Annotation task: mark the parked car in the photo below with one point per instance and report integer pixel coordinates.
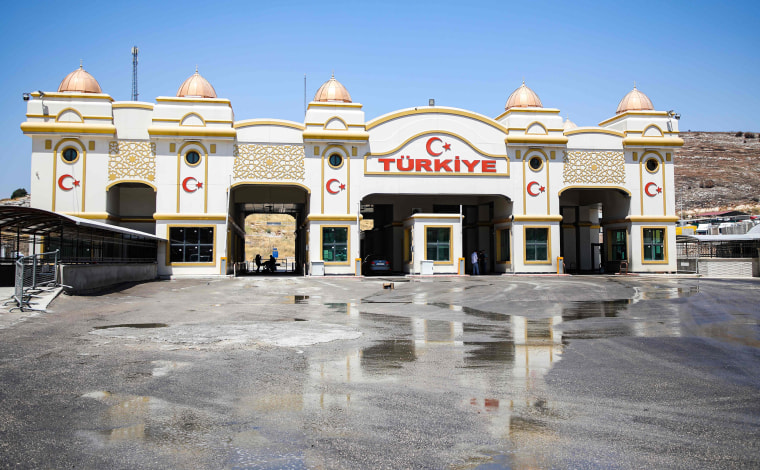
(375, 264)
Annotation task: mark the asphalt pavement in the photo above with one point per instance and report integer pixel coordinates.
(479, 372)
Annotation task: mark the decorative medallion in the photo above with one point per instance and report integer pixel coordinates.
(594, 168)
(133, 160)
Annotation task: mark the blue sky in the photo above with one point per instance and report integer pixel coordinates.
(698, 58)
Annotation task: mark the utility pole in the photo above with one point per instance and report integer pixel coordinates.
(134, 73)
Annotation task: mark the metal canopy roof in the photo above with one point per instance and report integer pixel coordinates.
(31, 221)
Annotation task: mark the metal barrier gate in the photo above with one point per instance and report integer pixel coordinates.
(33, 274)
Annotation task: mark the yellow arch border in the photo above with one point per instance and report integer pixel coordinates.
(155, 188)
(452, 111)
(582, 186)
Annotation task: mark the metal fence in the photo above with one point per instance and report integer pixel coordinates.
(33, 274)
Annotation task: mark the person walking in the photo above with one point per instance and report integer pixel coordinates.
(258, 262)
(474, 260)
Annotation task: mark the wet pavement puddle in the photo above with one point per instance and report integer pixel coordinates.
(132, 325)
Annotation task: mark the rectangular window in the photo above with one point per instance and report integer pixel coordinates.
(536, 244)
(191, 244)
(438, 240)
(654, 244)
(335, 244)
(618, 245)
(503, 254)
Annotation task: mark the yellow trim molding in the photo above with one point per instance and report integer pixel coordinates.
(268, 122)
(181, 99)
(317, 104)
(527, 110)
(581, 186)
(269, 183)
(191, 131)
(332, 217)
(111, 185)
(535, 139)
(537, 218)
(89, 215)
(132, 105)
(653, 141)
(593, 130)
(89, 96)
(190, 216)
(335, 135)
(652, 218)
(68, 128)
(435, 110)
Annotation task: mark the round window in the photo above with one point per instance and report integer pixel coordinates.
(335, 160)
(70, 155)
(192, 157)
(535, 163)
(652, 165)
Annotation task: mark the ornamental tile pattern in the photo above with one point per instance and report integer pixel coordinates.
(269, 162)
(594, 168)
(133, 160)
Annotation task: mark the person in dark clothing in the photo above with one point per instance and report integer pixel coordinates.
(258, 262)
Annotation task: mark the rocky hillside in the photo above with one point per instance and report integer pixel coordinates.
(716, 171)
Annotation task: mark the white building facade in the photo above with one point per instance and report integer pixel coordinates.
(534, 193)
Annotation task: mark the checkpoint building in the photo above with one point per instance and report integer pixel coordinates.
(537, 194)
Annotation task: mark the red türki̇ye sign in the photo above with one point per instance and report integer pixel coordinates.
(436, 154)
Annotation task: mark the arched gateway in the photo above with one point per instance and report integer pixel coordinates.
(526, 188)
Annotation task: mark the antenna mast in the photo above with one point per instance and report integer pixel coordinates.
(304, 93)
(134, 73)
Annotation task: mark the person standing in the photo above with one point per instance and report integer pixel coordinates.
(258, 262)
(474, 260)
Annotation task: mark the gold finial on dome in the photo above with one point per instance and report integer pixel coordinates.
(79, 81)
(634, 101)
(332, 91)
(196, 86)
(523, 97)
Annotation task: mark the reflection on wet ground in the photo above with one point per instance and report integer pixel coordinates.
(489, 366)
(132, 325)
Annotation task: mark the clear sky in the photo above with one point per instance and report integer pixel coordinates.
(696, 57)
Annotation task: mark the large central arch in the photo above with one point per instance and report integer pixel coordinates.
(267, 198)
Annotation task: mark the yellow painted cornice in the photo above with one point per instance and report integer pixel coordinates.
(593, 130)
(67, 128)
(527, 110)
(538, 218)
(189, 216)
(182, 99)
(634, 114)
(536, 139)
(335, 135)
(332, 217)
(318, 104)
(434, 110)
(191, 131)
(132, 105)
(79, 96)
(652, 218)
(268, 122)
(653, 141)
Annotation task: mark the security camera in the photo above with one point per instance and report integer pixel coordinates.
(26, 96)
(677, 116)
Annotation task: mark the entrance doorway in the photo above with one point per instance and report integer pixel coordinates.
(483, 221)
(268, 220)
(594, 238)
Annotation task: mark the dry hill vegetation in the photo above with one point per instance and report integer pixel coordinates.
(717, 171)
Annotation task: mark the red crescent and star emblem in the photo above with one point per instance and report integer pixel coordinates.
(63, 179)
(331, 184)
(531, 191)
(657, 189)
(429, 146)
(191, 185)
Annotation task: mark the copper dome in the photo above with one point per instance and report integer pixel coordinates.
(523, 97)
(332, 91)
(634, 101)
(196, 86)
(79, 81)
